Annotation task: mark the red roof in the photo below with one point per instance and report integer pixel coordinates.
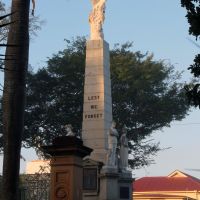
(146, 184)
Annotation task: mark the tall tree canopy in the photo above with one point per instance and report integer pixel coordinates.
(193, 16)
(147, 95)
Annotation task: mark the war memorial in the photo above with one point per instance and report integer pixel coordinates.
(99, 132)
(92, 168)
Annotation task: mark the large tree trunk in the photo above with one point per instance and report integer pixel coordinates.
(14, 97)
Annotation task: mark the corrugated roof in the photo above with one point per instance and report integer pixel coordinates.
(186, 183)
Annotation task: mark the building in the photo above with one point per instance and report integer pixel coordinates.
(175, 186)
(38, 166)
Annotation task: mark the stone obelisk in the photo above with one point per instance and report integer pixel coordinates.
(97, 109)
(111, 183)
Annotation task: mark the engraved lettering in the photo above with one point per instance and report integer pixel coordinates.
(94, 106)
(92, 116)
(93, 98)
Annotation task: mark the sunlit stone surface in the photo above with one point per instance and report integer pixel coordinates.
(97, 111)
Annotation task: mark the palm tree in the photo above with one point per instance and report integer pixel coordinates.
(14, 95)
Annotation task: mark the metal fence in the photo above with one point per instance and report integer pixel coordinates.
(35, 187)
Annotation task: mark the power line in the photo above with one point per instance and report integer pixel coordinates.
(186, 124)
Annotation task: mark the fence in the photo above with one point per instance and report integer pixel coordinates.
(35, 187)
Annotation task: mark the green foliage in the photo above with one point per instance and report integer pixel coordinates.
(146, 97)
(55, 95)
(195, 68)
(193, 16)
(150, 92)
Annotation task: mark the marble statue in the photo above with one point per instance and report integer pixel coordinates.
(68, 129)
(96, 19)
(33, 9)
(123, 150)
(112, 146)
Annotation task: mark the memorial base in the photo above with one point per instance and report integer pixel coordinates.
(66, 167)
(109, 184)
(125, 185)
(114, 185)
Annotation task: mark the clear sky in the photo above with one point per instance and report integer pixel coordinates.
(157, 26)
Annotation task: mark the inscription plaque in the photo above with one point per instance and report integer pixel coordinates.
(90, 179)
(124, 192)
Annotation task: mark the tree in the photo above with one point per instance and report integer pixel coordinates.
(14, 96)
(193, 16)
(152, 97)
(4, 24)
(35, 23)
(3, 30)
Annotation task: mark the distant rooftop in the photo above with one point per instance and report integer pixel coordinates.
(38, 166)
(176, 181)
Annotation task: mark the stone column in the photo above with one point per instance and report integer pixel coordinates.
(97, 108)
(66, 167)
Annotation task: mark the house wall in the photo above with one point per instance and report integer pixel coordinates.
(138, 198)
(190, 194)
(37, 166)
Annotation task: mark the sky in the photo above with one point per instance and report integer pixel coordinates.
(158, 27)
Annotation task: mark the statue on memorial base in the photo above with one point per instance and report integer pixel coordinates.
(68, 129)
(96, 19)
(124, 150)
(112, 146)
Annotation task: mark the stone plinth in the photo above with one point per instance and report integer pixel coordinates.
(109, 189)
(66, 167)
(97, 108)
(91, 179)
(125, 186)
